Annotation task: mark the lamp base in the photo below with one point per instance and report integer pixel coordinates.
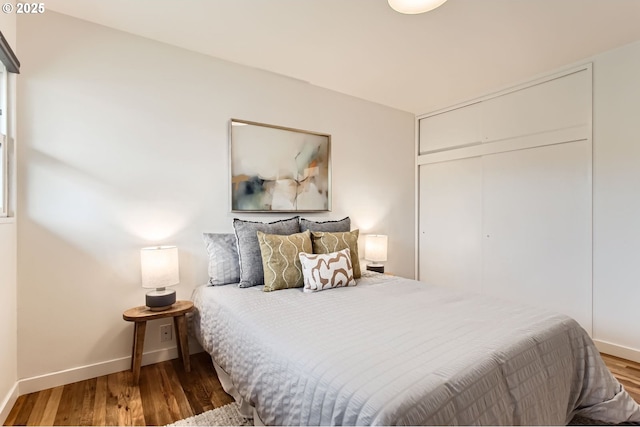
(160, 299)
(378, 268)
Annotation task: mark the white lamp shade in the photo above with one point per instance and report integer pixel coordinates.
(412, 7)
(159, 266)
(375, 247)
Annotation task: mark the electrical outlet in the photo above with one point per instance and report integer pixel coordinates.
(166, 332)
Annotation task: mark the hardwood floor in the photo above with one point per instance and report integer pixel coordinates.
(167, 394)
(628, 373)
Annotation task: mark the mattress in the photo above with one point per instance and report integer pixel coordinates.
(394, 351)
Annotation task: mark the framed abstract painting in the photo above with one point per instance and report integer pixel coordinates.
(279, 169)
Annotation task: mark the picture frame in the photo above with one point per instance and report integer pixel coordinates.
(278, 169)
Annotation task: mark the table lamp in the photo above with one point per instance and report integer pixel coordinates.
(159, 267)
(375, 250)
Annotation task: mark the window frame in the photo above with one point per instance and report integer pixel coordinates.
(4, 152)
(9, 63)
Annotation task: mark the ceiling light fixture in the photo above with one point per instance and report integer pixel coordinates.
(412, 7)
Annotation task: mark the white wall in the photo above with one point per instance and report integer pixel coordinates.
(124, 144)
(616, 201)
(8, 249)
(8, 318)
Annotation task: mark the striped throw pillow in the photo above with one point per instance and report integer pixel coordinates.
(224, 265)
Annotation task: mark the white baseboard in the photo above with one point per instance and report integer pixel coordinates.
(618, 350)
(7, 403)
(81, 373)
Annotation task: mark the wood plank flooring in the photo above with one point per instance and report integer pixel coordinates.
(167, 394)
(628, 373)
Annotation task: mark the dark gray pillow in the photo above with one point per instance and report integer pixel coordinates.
(224, 264)
(339, 226)
(251, 272)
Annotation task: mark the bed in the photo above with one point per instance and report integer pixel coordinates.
(394, 351)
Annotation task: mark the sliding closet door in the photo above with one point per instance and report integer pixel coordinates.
(537, 227)
(505, 195)
(450, 239)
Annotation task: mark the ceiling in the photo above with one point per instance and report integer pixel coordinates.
(416, 63)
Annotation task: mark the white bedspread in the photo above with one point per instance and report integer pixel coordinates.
(394, 351)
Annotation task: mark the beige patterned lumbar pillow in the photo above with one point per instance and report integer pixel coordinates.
(280, 261)
(325, 243)
(326, 271)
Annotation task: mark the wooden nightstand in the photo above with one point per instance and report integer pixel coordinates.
(140, 316)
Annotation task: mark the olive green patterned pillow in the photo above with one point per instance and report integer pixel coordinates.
(326, 243)
(280, 261)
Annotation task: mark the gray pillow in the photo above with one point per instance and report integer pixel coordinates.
(251, 272)
(339, 226)
(224, 264)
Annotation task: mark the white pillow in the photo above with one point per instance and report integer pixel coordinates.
(326, 271)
